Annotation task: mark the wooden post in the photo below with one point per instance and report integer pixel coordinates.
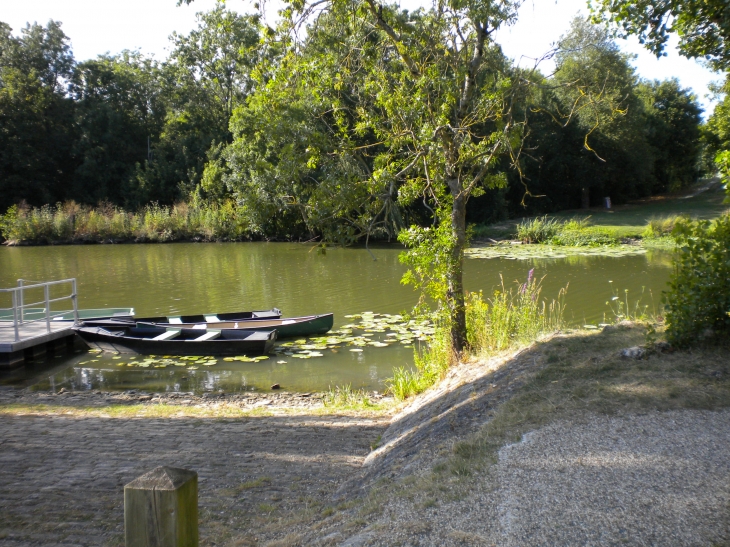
(161, 509)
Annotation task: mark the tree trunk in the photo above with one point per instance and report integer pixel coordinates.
(455, 283)
(585, 197)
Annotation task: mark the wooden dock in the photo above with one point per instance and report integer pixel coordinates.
(25, 333)
(35, 340)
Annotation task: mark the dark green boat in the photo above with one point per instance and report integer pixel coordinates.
(286, 327)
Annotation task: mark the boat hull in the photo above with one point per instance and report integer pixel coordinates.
(260, 315)
(310, 325)
(286, 327)
(141, 340)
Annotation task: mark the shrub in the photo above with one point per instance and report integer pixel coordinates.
(698, 299)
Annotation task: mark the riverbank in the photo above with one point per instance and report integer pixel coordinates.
(505, 451)
(642, 223)
(139, 403)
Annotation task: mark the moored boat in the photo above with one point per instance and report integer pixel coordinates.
(286, 327)
(180, 320)
(273, 313)
(154, 340)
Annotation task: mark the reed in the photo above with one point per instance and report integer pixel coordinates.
(72, 223)
(661, 226)
(575, 232)
(538, 230)
(510, 318)
(431, 363)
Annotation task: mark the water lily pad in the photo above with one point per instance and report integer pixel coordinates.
(192, 368)
(281, 362)
(116, 357)
(356, 350)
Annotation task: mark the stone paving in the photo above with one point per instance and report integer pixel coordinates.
(62, 477)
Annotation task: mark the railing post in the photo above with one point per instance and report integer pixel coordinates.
(46, 294)
(161, 509)
(20, 285)
(74, 300)
(15, 316)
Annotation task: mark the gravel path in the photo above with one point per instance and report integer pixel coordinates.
(62, 477)
(657, 479)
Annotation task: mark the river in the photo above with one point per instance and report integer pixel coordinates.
(182, 278)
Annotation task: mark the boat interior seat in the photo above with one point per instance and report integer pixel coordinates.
(211, 318)
(210, 335)
(168, 335)
(200, 326)
(175, 320)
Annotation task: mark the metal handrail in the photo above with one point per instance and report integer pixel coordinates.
(19, 306)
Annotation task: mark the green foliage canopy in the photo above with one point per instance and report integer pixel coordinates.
(703, 26)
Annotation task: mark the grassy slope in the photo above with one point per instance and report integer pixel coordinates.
(631, 219)
(572, 376)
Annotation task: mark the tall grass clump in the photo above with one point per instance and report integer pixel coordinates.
(346, 398)
(511, 317)
(658, 227)
(431, 363)
(538, 230)
(575, 232)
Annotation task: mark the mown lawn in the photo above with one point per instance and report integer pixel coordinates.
(630, 220)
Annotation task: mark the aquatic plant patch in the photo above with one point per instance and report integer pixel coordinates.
(367, 330)
(527, 252)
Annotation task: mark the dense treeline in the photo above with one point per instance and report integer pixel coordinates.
(233, 119)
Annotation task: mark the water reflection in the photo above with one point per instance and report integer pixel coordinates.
(192, 278)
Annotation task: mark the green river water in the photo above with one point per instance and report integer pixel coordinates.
(186, 278)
